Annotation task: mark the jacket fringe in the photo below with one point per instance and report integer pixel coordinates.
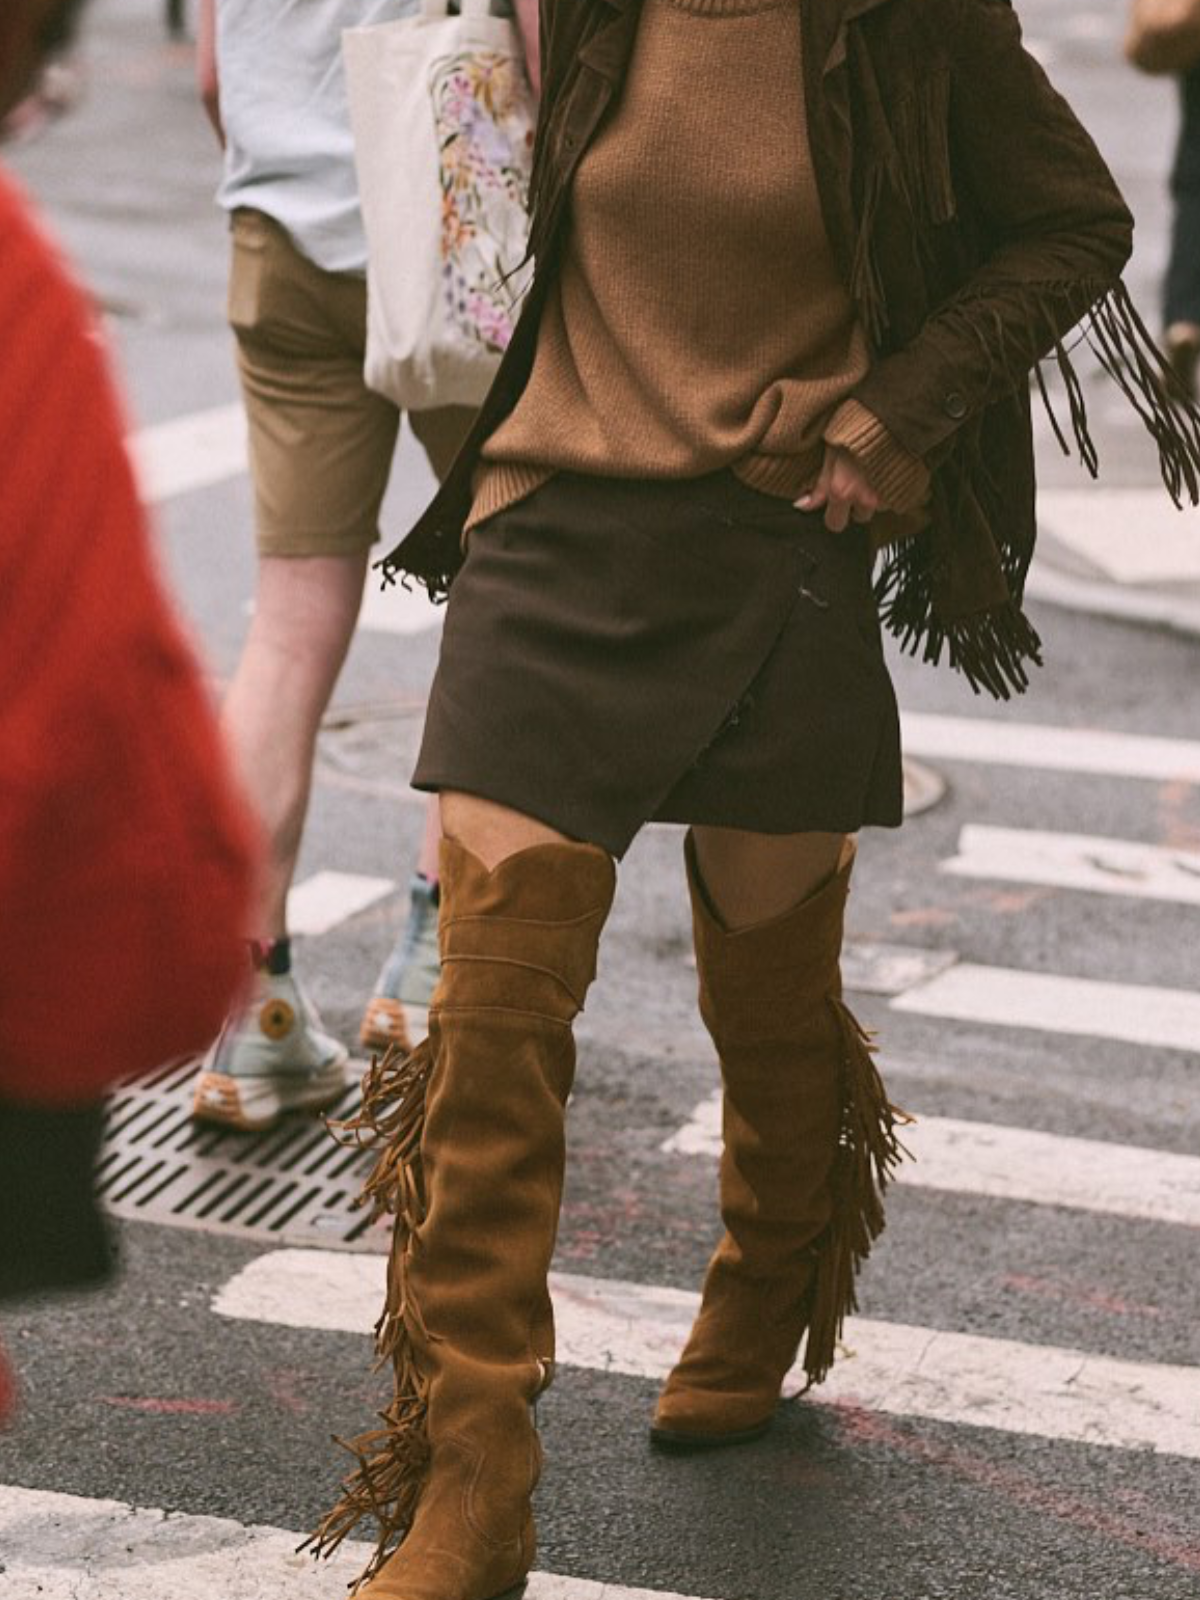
(993, 649)
(1118, 337)
(391, 1461)
(866, 281)
(922, 139)
(868, 1154)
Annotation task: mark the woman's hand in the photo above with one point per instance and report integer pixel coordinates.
(843, 489)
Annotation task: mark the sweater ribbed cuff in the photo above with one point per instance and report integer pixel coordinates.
(899, 479)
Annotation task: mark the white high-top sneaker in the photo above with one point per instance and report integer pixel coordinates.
(398, 1011)
(270, 1057)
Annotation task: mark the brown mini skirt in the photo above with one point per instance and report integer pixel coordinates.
(620, 652)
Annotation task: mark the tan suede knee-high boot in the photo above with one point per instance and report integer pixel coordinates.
(809, 1143)
(472, 1168)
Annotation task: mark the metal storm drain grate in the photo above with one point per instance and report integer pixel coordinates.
(293, 1184)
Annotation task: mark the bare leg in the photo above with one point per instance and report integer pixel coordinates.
(753, 877)
(427, 860)
(489, 831)
(440, 433)
(306, 608)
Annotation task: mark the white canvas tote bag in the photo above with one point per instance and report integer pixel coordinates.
(442, 115)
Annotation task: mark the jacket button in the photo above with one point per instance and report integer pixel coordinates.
(954, 405)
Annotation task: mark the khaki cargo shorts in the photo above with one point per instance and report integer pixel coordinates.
(321, 442)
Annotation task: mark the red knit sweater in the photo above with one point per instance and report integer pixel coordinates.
(124, 855)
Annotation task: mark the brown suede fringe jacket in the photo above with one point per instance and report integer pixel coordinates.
(976, 224)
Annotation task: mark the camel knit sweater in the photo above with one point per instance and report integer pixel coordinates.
(699, 320)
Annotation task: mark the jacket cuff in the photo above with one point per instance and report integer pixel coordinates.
(899, 479)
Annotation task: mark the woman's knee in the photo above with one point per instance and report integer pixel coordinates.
(752, 877)
(490, 831)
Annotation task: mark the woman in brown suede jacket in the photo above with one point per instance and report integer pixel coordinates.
(796, 260)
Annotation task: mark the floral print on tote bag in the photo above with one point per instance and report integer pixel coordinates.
(483, 118)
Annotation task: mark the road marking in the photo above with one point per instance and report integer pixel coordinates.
(328, 899)
(638, 1331)
(62, 1547)
(209, 447)
(397, 610)
(1028, 744)
(1077, 861)
(889, 969)
(191, 452)
(1045, 1169)
(1133, 1013)
(1133, 536)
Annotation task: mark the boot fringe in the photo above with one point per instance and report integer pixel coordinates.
(392, 1461)
(868, 1153)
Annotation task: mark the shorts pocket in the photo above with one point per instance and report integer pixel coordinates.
(249, 233)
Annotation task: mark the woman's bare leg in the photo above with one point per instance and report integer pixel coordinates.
(753, 877)
(489, 831)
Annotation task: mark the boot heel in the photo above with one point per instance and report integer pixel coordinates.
(687, 1444)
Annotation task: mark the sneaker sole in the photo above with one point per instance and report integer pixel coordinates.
(389, 1022)
(253, 1105)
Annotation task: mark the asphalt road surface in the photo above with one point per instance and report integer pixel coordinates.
(1017, 1412)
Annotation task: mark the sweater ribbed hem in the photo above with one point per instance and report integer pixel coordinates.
(500, 484)
(899, 479)
(786, 476)
(728, 8)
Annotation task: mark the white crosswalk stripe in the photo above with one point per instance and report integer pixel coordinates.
(1039, 746)
(327, 899)
(637, 1331)
(205, 448)
(396, 609)
(63, 1547)
(190, 452)
(1077, 861)
(1139, 1014)
(983, 1158)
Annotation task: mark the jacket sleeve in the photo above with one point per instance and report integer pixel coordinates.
(1060, 234)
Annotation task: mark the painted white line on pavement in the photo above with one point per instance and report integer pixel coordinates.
(1077, 861)
(62, 1547)
(871, 968)
(397, 609)
(1045, 1169)
(1050, 749)
(192, 452)
(1133, 1013)
(328, 899)
(1134, 536)
(638, 1331)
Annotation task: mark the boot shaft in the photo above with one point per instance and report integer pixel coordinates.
(474, 1179)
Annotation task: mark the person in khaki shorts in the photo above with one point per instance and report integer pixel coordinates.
(321, 448)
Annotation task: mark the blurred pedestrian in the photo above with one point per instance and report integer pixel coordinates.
(321, 449)
(1181, 300)
(1164, 38)
(795, 261)
(124, 855)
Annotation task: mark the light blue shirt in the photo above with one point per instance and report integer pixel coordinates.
(289, 150)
